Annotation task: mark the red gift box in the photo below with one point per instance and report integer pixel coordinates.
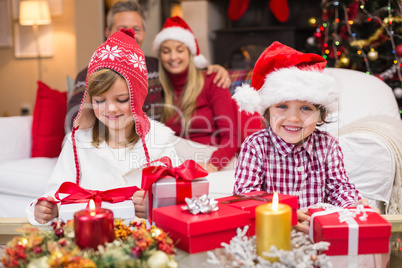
(355, 236)
(201, 232)
(251, 200)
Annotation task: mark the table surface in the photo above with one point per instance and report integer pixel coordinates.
(8, 230)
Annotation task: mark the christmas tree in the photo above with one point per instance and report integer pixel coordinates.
(364, 35)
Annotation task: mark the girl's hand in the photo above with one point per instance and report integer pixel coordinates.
(209, 167)
(140, 204)
(45, 211)
(302, 218)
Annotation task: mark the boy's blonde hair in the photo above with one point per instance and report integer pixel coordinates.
(101, 82)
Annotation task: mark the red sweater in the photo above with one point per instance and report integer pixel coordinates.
(214, 120)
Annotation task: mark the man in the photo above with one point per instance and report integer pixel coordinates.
(128, 14)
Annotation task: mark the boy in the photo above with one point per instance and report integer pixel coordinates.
(291, 156)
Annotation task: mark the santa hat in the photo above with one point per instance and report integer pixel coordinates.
(121, 53)
(176, 28)
(284, 74)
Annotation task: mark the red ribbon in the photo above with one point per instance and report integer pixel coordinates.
(76, 194)
(183, 174)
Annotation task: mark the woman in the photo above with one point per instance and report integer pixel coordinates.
(112, 137)
(194, 107)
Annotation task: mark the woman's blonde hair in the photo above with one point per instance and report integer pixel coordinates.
(188, 98)
(99, 83)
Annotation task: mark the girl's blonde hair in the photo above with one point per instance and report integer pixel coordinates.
(99, 83)
(188, 98)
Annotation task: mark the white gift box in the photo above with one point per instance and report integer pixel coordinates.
(123, 210)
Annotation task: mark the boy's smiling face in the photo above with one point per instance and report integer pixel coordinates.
(293, 121)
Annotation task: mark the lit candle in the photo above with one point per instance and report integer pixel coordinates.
(93, 226)
(273, 224)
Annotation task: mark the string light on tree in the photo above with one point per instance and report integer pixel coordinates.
(361, 35)
(398, 93)
(372, 55)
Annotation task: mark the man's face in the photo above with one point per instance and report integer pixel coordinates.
(127, 20)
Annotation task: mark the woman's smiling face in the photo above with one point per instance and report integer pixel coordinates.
(175, 56)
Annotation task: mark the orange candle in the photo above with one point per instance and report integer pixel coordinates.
(93, 226)
(273, 222)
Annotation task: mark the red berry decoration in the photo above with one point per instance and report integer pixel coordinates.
(136, 252)
(398, 50)
(59, 232)
(37, 250)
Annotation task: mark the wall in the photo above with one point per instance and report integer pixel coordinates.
(18, 76)
(89, 30)
(203, 17)
(77, 33)
(154, 25)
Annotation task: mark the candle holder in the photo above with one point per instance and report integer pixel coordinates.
(93, 227)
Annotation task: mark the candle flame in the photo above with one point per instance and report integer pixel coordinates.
(92, 207)
(91, 204)
(275, 202)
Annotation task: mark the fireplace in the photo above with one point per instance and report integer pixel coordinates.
(239, 44)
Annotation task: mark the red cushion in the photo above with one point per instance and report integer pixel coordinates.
(48, 122)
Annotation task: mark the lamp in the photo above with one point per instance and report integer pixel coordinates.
(35, 13)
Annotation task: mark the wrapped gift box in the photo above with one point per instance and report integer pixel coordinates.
(123, 210)
(164, 191)
(372, 235)
(251, 200)
(201, 232)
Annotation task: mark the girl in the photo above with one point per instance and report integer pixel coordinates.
(194, 107)
(111, 134)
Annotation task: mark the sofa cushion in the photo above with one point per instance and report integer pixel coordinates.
(26, 177)
(48, 121)
(239, 77)
(361, 96)
(15, 141)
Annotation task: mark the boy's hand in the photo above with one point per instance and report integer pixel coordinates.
(365, 203)
(139, 204)
(302, 219)
(45, 210)
(222, 75)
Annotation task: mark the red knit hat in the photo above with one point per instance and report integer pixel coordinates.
(176, 28)
(284, 74)
(121, 53)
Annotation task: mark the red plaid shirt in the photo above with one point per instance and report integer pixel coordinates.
(313, 171)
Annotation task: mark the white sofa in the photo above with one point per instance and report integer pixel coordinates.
(23, 178)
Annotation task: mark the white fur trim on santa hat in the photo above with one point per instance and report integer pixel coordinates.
(248, 99)
(184, 36)
(178, 34)
(289, 84)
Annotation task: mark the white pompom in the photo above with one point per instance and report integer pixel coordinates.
(248, 99)
(200, 61)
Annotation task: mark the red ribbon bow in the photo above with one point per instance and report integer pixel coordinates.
(76, 194)
(184, 174)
